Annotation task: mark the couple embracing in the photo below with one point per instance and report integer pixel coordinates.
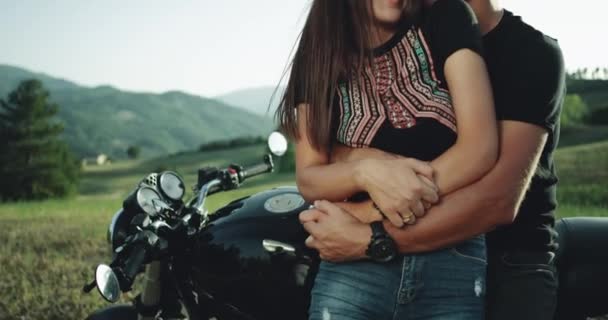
(424, 134)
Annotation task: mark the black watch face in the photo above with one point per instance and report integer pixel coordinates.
(383, 250)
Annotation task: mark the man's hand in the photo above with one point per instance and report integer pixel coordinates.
(336, 234)
(494, 200)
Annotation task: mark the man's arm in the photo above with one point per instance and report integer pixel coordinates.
(475, 209)
(495, 199)
(489, 202)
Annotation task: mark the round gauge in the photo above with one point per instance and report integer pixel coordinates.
(146, 198)
(284, 203)
(171, 185)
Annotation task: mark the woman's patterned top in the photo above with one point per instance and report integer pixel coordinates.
(401, 103)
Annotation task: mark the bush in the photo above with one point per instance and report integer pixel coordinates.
(574, 111)
(133, 152)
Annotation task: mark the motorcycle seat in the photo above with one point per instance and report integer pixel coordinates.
(582, 264)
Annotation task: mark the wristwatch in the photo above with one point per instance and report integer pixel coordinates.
(381, 247)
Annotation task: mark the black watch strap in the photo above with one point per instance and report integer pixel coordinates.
(378, 229)
(381, 247)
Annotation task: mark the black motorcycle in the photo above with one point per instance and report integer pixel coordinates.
(248, 260)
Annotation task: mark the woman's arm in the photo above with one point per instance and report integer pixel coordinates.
(476, 148)
(315, 176)
(318, 179)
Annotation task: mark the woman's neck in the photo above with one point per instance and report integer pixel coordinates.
(381, 33)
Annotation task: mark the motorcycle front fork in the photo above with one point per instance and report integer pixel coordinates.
(155, 297)
(150, 295)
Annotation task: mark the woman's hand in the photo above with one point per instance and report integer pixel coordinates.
(362, 211)
(396, 187)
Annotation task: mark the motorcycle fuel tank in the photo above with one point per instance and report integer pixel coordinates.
(252, 256)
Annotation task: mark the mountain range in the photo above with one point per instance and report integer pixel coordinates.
(107, 120)
(259, 100)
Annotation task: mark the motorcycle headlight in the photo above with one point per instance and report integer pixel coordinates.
(171, 185)
(117, 231)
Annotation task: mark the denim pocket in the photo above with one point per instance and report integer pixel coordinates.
(473, 249)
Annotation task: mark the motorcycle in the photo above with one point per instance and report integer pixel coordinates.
(248, 260)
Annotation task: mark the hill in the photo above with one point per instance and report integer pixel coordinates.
(254, 100)
(108, 120)
(11, 76)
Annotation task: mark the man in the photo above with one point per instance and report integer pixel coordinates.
(527, 74)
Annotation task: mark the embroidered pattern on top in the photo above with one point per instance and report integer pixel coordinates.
(401, 87)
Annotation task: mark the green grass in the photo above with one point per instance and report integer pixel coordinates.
(50, 248)
(583, 174)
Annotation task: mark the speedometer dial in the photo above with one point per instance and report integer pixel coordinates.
(171, 185)
(145, 199)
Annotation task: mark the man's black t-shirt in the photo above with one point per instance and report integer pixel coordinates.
(527, 73)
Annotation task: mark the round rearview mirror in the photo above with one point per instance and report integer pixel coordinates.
(277, 143)
(107, 283)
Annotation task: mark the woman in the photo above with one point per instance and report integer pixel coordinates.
(408, 80)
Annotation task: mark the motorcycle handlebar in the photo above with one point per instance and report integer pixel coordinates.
(267, 166)
(133, 265)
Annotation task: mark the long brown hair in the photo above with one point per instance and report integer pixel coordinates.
(335, 39)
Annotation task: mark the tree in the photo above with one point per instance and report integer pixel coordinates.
(34, 162)
(133, 152)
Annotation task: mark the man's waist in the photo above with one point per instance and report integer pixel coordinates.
(535, 237)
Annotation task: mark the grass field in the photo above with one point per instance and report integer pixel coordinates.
(50, 248)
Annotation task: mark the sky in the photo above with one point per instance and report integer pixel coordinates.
(210, 47)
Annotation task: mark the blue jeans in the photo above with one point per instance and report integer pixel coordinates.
(443, 284)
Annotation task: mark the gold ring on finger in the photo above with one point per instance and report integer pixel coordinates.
(408, 218)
